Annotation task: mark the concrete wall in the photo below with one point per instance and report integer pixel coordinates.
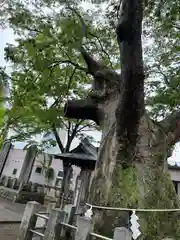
(28, 163)
(38, 177)
(175, 174)
(57, 165)
(14, 160)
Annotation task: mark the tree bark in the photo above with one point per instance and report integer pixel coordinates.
(131, 170)
(144, 184)
(58, 140)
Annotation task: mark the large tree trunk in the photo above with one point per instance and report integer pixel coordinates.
(131, 171)
(145, 184)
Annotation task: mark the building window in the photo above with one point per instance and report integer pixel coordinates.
(14, 171)
(38, 170)
(58, 182)
(60, 174)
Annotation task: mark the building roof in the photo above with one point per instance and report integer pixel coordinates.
(83, 156)
(175, 167)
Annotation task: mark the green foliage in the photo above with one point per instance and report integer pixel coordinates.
(49, 174)
(48, 171)
(3, 118)
(48, 68)
(161, 41)
(164, 57)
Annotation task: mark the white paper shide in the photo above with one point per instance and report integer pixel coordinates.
(135, 225)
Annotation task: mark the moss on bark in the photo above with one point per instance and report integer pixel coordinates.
(160, 194)
(145, 184)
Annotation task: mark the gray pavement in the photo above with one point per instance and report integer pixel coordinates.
(9, 231)
(10, 211)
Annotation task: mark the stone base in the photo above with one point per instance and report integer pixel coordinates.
(24, 197)
(7, 193)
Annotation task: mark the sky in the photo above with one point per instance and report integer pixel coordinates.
(7, 36)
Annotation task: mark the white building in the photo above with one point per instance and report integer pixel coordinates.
(14, 163)
(16, 167)
(37, 175)
(26, 165)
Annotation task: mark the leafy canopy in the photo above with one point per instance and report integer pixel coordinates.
(48, 68)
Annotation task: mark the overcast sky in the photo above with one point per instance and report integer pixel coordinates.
(7, 36)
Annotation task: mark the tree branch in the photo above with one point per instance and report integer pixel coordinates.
(86, 126)
(68, 62)
(66, 126)
(58, 140)
(58, 99)
(171, 126)
(82, 109)
(92, 65)
(159, 71)
(68, 137)
(102, 49)
(73, 134)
